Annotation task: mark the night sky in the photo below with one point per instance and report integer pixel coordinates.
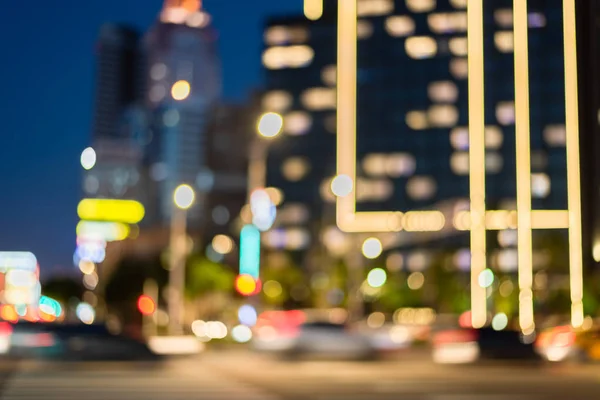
(47, 73)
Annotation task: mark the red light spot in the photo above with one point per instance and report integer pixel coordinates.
(146, 305)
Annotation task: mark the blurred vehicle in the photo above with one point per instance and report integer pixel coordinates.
(73, 343)
(565, 343)
(277, 331)
(330, 340)
(464, 346)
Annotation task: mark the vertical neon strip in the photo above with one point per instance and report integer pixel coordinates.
(523, 151)
(313, 9)
(346, 101)
(573, 165)
(477, 159)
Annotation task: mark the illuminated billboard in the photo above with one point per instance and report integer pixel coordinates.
(125, 211)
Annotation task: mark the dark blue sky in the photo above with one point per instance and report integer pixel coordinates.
(47, 74)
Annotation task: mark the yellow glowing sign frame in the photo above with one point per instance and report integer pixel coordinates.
(126, 211)
(349, 220)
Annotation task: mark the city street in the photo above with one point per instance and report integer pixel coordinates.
(242, 375)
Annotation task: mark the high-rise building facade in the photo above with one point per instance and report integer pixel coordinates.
(183, 90)
(412, 128)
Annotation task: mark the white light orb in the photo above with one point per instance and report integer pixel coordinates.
(372, 248)
(341, 185)
(88, 158)
(184, 196)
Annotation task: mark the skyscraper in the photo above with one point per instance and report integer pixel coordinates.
(412, 134)
(183, 89)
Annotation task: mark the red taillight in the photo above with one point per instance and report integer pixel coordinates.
(455, 336)
(44, 340)
(564, 339)
(6, 329)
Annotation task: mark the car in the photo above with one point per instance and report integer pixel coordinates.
(466, 346)
(565, 343)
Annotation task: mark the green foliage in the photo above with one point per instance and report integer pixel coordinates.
(286, 273)
(205, 276)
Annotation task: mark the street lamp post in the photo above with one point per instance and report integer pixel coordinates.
(183, 199)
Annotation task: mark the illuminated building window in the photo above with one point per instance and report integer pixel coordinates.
(539, 160)
(373, 190)
(420, 47)
(157, 93)
(493, 163)
(504, 41)
(400, 164)
(277, 101)
(458, 46)
(329, 75)
(280, 35)
(448, 22)
(364, 29)
(540, 185)
(443, 116)
(331, 123)
(421, 6)
(372, 8)
(460, 4)
(504, 17)
(297, 123)
(459, 68)
(325, 190)
(459, 138)
(158, 71)
(295, 168)
(280, 57)
(505, 112)
(493, 137)
(394, 165)
(319, 99)
(555, 135)
(421, 187)
(443, 91)
(293, 213)
(374, 164)
(399, 25)
(537, 20)
(417, 120)
(459, 163)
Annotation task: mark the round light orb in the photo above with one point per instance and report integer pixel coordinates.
(241, 334)
(372, 248)
(376, 278)
(270, 125)
(500, 322)
(184, 196)
(180, 90)
(341, 185)
(88, 158)
(222, 244)
(486, 278)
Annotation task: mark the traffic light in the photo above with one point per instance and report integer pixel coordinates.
(246, 285)
(250, 251)
(146, 305)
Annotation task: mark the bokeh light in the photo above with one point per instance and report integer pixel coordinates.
(184, 196)
(247, 315)
(180, 90)
(377, 277)
(85, 313)
(486, 278)
(222, 244)
(245, 285)
(241, 334)
(372, 248)
(341, 185)
(415, 281)
(87, 267)
(270, 125)
(88, 158)
(272, 289)
(499, 322)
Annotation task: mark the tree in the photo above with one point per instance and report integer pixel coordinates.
(205, 276)
(284, 272)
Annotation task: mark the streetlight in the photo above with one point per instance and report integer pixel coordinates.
(269, 126)
(183, 199)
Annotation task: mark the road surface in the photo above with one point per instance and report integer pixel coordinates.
(246, 376)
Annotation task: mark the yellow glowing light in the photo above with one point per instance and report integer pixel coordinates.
(477, 159)
(222, 244)
(523, 151)
(313, 9)
(270, 125)
(573, 166)
(184, 196)
(107, 231)
(125, 211)
(276, 195)
(87, 267)
(180, 90)
(372, 248)
(272, 289)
